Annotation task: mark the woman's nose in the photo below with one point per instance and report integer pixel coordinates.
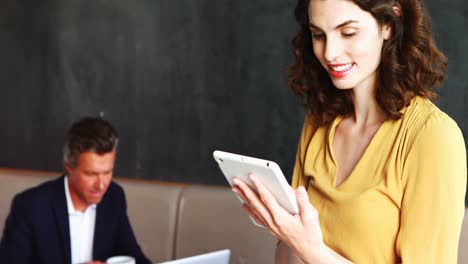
(333, 49)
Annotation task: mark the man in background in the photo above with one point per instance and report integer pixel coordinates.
(81, 217)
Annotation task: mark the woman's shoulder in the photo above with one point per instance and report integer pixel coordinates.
(423, 116)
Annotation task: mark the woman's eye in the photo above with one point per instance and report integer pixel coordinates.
(348, 34)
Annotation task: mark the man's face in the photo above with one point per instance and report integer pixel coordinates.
(89, 180)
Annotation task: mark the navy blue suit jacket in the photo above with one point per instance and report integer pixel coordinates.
(37, 228)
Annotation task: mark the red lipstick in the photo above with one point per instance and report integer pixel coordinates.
(340, 70)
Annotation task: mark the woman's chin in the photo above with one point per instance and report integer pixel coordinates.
(341, 86)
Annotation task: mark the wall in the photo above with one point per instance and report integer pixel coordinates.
(178, 79)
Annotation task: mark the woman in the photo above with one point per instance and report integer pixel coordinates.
(380, 172)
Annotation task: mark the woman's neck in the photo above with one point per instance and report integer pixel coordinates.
(367, 111)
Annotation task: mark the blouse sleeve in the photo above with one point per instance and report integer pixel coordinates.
(433, 183)
(298, 178)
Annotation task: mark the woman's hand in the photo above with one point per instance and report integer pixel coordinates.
(301, 232)
(284, 255)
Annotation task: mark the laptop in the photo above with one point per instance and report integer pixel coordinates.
(216, 257)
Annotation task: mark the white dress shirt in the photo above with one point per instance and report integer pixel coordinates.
(81, 230)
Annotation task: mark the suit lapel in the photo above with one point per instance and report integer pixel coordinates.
(102, 229)
(98, 232)
(61, 217)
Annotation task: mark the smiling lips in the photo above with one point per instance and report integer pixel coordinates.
(340, 70)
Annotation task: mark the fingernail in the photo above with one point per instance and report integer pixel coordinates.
(234, 190)
(236, 181)
(302, 190)
(252, 177)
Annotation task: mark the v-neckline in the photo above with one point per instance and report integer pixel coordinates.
(331, 137)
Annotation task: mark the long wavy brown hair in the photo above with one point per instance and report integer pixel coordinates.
(411, 64)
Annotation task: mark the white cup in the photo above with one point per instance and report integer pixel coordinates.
(121, 260)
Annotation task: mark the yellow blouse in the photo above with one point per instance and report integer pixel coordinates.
(404, 200)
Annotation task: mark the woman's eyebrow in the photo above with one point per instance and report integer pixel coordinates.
(337, 27)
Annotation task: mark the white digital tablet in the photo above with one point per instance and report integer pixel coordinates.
(234, 165)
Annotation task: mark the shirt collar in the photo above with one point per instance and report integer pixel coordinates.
(70, 206)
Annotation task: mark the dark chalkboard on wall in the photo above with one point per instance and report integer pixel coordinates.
(178, 79)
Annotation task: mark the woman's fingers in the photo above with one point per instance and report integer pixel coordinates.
(260, 221)
(240, 194)
(267, 197)
(281, 218)
(254, 215)
(254, 202)
(246, 206)
(307, 212)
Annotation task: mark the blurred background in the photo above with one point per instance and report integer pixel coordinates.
(178, 79)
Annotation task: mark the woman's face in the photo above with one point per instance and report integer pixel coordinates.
(347, 41)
